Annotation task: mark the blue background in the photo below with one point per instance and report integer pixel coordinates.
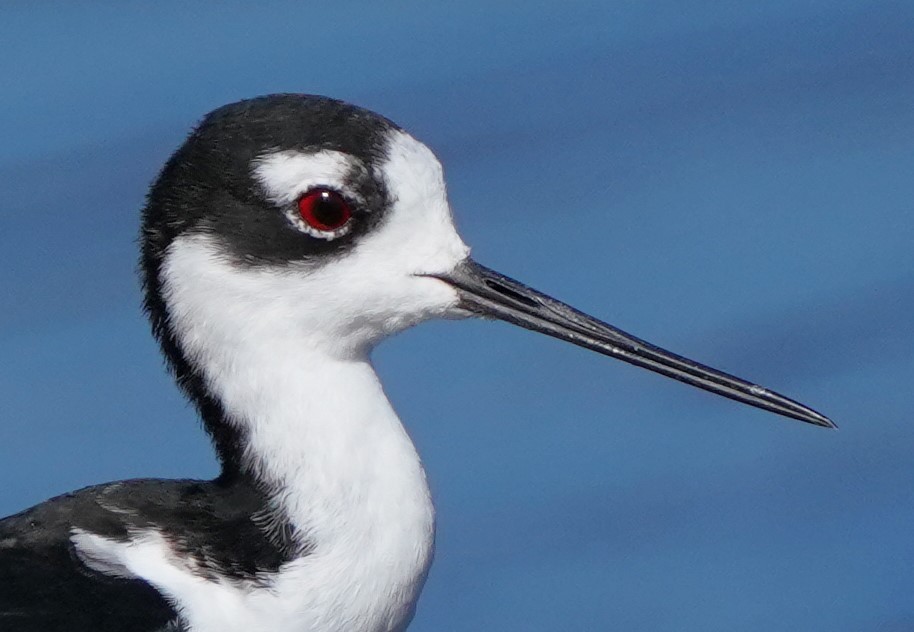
(734, 181)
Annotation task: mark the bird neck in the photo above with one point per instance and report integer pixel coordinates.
(323, 439)
(327, 447)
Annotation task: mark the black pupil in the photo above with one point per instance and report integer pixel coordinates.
(329, 210)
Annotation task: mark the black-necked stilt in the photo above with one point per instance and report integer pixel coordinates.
(280, 243)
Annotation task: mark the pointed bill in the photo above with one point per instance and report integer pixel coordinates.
(490, 294)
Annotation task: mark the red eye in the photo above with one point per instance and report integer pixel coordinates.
(324, 210)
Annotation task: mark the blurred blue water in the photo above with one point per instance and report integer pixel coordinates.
(732, 182)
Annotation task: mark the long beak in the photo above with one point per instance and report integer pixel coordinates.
(490, 294)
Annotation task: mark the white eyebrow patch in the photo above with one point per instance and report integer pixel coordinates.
(286, 175)
(413, 173)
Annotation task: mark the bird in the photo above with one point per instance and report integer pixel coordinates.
(286, 237)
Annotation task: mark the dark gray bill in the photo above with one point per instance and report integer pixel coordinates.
(488, 293)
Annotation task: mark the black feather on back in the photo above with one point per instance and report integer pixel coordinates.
(45, 587)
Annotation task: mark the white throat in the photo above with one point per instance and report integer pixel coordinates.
(322, 437)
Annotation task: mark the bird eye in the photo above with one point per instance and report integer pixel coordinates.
(324, 212)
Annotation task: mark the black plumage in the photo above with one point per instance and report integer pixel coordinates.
(226, 529)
